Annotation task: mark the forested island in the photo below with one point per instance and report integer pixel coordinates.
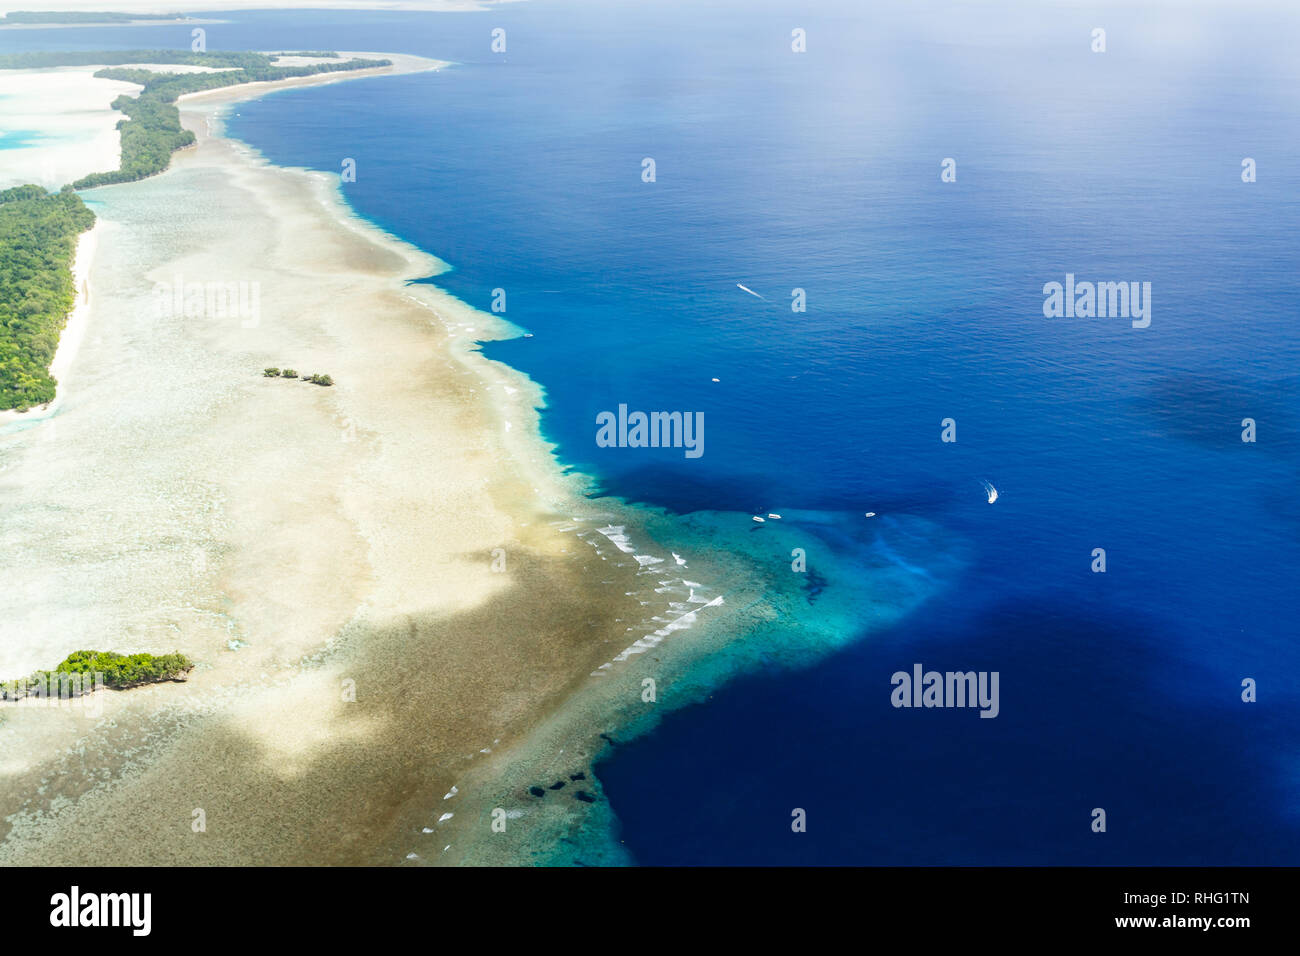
(38, 240)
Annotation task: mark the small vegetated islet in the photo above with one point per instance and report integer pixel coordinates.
(118, 671)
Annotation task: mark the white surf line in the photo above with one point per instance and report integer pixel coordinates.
(618, 537)
(652, 641)
(750, 291)
(615, 535)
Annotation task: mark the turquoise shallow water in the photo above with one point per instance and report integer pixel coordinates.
(17, 138)
(820, 171)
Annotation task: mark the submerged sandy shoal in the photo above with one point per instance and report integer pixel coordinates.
(303, 544)
(68, 111)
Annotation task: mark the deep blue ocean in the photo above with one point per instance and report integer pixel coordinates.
(821, 171)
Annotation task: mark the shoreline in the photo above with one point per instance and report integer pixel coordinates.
(515, 396)
(370, 560)
(360, 577)
(74, 330)
(402, 64)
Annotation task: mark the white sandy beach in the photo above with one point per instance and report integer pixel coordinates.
(73, 332)
(79, 317)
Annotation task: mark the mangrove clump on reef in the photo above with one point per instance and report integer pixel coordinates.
(272, 372)
(83, 671)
